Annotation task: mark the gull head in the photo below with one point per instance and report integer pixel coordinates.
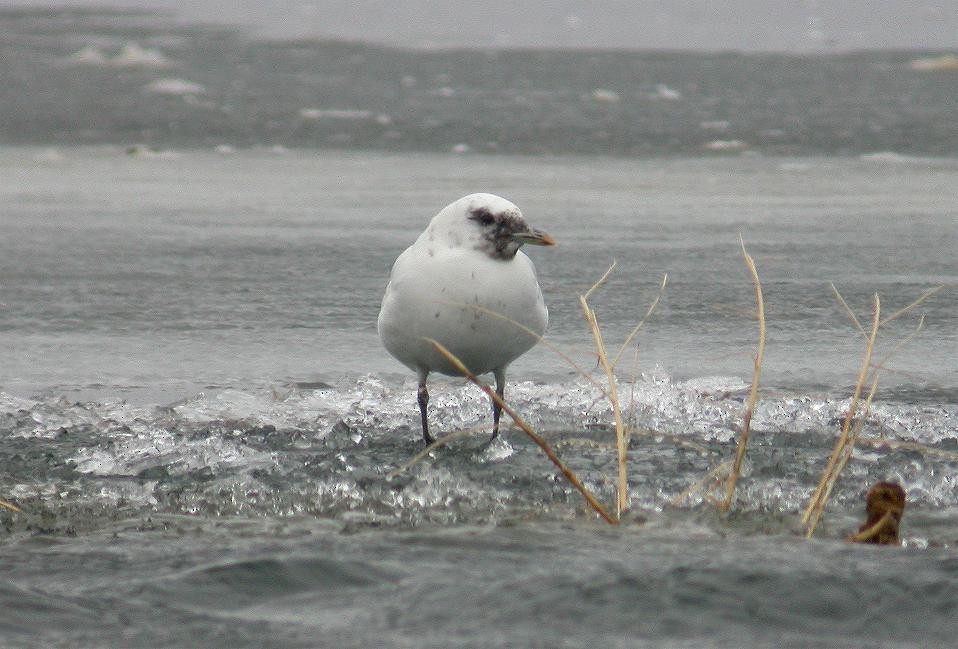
(487, 223)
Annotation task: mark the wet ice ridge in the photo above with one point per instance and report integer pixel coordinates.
(707, 409)
(288, 450)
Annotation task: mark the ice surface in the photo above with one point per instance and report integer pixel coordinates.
(130, 55)
(346, 448)
(174, 87)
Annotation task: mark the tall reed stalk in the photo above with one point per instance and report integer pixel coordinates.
(846, 441)
(736, 471)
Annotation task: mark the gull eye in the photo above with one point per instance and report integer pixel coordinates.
(482, 215)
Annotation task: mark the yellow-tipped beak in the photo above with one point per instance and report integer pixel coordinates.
(534, 237)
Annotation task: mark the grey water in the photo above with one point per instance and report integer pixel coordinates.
(89, 77)
(209, 447)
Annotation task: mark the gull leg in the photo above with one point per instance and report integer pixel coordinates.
(423, 397)
(496, 410)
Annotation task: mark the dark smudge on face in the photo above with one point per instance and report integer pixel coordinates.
(498, 230)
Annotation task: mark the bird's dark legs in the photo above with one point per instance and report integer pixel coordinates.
(496, 410)
(423, 398)
(423, 395)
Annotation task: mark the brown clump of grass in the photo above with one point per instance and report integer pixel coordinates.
(845, 445)
(884, 507)
(852, 427)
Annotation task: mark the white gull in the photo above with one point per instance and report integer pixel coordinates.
(453, 284)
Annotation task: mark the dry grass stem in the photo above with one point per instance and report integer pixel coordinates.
(648, 314)
(871, 532)
(587, 442)
(753, 394)
(910, 446)
(584, 442)
(732, 311)
(816, 506)
(675, 439)
(442, 441)
(884, 507)
(712, 479)
(540, 339)
(5, 505)
(610, 392)
(631, 416)
(600, 281)
(846, 453)
(540, 442)
(848, 310)
(880, 365)
(921, 298)
(622, 499)
(897, 314)
(852, 427)
(622, 491)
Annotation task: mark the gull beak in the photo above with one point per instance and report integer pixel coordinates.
(534, 237)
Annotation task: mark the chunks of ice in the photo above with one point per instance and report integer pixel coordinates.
(330, 449)
(131, 55)
(725, 145)
(605, 96)
(662, 91)
(174, 87)
(336, 113)
(88, 55)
